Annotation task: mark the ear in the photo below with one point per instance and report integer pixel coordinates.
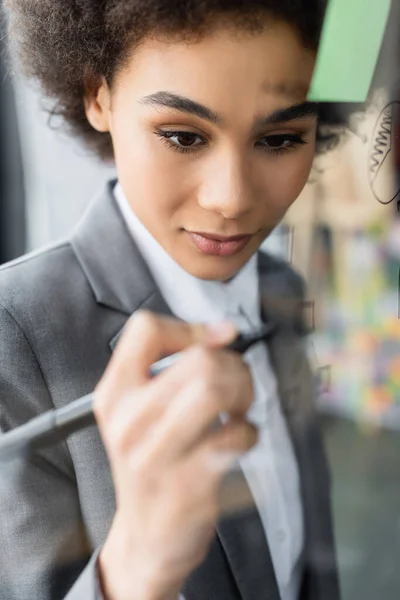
(97, 105)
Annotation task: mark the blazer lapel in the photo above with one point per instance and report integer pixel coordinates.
(284, 303)
(297, 395)
(116, 271)
(243, 539)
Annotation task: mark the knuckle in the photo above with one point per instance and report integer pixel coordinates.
(234, 436)
(243, 370)
(249, 388)
(204, 394)
(117, 440)
(250, 436)
(114, 436)
(183, 483)
(140, 466)
(204, 391)
(241, 436)
(116, 445)
(144, 322)
(245, 386)
(211, 511)
(212, 396)
(205, 362)
(100, 405)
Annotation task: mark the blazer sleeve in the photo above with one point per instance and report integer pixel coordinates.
(45, 554)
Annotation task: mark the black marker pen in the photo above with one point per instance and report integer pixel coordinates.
(57, 424)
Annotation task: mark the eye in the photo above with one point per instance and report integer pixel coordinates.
(182, 141)
(284, 142)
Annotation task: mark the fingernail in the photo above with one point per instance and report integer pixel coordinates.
(223, 332)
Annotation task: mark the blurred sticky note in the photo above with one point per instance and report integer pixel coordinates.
(351, 39)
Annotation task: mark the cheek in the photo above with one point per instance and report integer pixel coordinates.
(287, 178)
(153, 179)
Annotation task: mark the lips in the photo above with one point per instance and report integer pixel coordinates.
(216, 245)
(221, 238)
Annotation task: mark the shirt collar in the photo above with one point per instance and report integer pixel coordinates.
(202, 300)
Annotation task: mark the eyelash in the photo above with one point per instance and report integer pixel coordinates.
(294, 139)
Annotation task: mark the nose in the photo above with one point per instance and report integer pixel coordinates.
(227, 188)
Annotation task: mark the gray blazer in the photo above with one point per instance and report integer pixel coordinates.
(61, 312)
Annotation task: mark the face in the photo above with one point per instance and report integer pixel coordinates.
(213, 140)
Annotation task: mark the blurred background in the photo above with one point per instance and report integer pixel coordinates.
(343, 235)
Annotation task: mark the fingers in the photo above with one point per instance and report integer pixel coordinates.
(130, 419)
(216, 382)
(215, 456)
(146, 339)
(216, 461)
(230, 441)
(173, 412)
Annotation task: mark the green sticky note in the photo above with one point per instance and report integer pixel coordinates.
(351, 39)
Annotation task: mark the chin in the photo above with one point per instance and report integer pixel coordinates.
(215, 268)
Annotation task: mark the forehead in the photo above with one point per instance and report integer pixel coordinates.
(225, 66)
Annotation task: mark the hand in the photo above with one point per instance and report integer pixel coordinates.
(166, 457)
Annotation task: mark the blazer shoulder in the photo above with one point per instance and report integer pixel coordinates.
(39, 279)
(25, 263)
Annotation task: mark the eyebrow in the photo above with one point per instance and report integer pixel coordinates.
(186, 105)
(182, 104)
(305, 110)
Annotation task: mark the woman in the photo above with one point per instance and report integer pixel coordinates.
(202, 106)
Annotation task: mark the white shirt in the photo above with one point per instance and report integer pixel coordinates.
(270, 468)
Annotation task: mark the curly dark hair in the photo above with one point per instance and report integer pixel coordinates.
(69, 45)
